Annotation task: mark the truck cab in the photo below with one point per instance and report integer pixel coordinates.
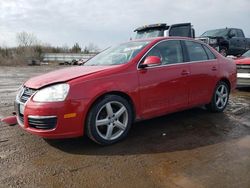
(164, 30)
(228, 41)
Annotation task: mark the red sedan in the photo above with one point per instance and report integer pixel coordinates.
(243, 70)
(132, 81)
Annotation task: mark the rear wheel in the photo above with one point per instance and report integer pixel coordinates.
(109, 120)
(220, 98)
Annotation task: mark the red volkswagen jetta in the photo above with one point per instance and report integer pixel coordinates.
(132, 81)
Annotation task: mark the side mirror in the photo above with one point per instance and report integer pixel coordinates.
(151, 61)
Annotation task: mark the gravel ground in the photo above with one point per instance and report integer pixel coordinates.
(193, 148)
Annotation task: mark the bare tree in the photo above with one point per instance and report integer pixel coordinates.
(25, 39)
(92, 48)
(76, 48)
(65, 48)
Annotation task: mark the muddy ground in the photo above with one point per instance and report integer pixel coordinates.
(193, 148)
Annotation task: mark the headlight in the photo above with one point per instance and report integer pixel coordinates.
(52, 93)
(19, 92)
(212, 41)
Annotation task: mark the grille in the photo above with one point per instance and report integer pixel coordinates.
(243, 68)
(42, 123)
(20, 116)
(27, 92)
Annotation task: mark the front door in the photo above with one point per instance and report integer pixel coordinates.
(164, 88)
(237, 43)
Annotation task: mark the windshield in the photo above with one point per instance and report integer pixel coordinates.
(246, 54)
(215, 33)
(149, 34)
(118, 55)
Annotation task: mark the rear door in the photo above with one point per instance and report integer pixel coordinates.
(242, 40)
(163, 88)
(203, 71)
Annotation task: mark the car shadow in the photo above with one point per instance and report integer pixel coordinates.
(247, 89)
(185, 130)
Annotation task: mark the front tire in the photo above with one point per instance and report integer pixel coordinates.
(109, 120)
(220, 98)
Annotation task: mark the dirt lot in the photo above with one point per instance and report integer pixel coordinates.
(193, 148)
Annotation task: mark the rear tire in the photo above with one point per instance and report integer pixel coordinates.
(109, 120)
(220, 98)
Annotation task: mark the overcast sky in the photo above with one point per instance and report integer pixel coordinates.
(107, 22)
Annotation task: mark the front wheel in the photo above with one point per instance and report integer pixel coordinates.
(220, 98)
(109, 120)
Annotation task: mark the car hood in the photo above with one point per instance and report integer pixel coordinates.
(64, 75)
(243, 61)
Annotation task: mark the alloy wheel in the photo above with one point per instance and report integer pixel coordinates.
(111, 120)
(221, 96)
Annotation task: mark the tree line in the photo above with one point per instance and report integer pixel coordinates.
(29, 47)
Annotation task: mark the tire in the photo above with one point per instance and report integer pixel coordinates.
(109, 120)
(223, 51)
(220, 98)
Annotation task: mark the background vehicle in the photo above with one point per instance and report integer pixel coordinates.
(136, 80)
(243, 70)
(81, 61)
(34, 62)
(228, 41)
(164, 30)
(74, 62)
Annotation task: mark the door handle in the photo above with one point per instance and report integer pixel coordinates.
(185, 72)
(214, 68)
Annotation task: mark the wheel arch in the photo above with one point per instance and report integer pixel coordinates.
(118, 93)
(226, 80)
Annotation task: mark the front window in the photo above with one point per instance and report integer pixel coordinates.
(117, 55)
(246, 54)
(170, 52)
(233, 33)
(215, 33)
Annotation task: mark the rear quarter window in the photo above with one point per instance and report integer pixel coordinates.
(209, 53)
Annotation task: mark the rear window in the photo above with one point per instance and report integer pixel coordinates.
(240, 33)
(195, 51)
(182, 31)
